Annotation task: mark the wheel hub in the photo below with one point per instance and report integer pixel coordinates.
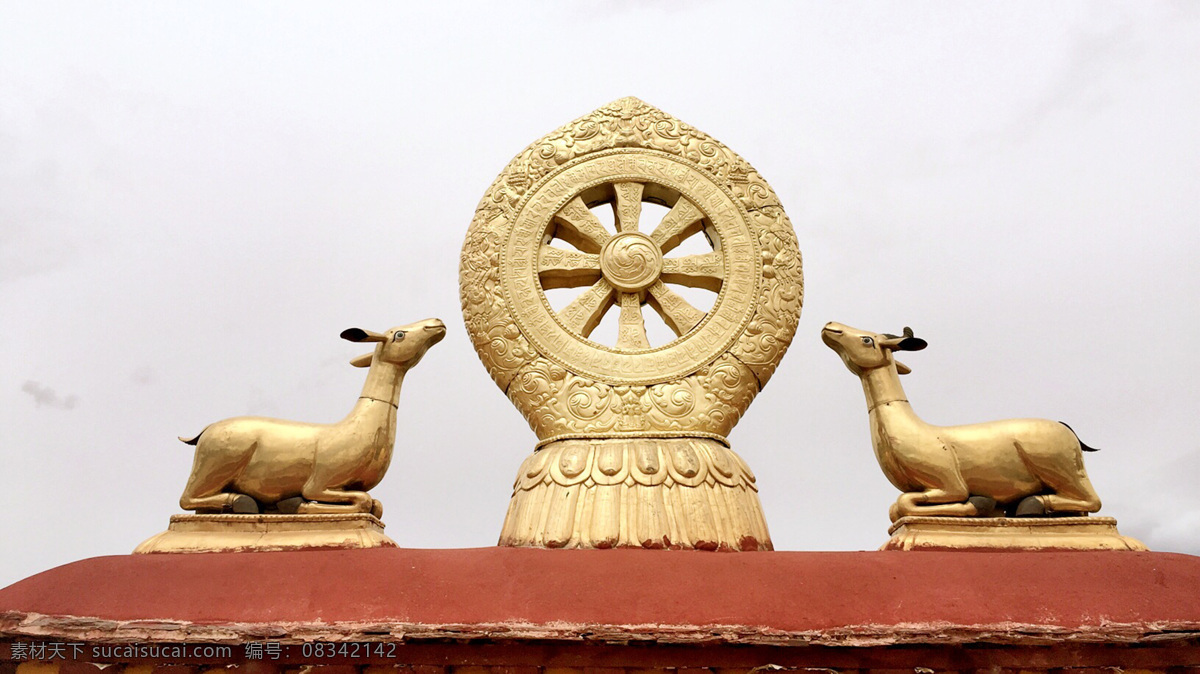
(631, 261)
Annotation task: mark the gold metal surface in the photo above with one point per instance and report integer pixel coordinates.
(631, 262)
(1008, 533)
(643, 492)
(1019, 467)
(234, 533)
(540, 227)
(248, 464)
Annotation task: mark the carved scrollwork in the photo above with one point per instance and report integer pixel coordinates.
(566, 385)
(632, 447)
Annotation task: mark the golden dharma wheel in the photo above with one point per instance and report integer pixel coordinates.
(634, 215)
(626, 269)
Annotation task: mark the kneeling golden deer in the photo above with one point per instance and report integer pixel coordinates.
(244, 462)
(1021, 467)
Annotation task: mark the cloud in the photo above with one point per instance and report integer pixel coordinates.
(1097, 67)
(1083, 82)
(1179, 532)
(261, 404)
(143, 375)
(45, 396)
(22, 256)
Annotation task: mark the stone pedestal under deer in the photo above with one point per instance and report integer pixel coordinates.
(1022, 467)
(247, 464)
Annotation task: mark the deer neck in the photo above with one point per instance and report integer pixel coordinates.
(894, 425)
(882, 388)
(380, 393)
(383, 383)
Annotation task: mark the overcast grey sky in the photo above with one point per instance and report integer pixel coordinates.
(196, 198)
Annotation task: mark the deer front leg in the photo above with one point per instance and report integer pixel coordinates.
(945, 490)
(932, 503)
(321, 499)
(220, 502)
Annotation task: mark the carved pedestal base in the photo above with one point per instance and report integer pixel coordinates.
(1008, 533)
(232, 533)
(689, 493)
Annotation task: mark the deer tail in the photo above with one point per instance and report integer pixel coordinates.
(194, 439)
(1082, 444)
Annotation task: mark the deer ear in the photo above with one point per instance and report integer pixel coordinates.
(360, 335)
(902, 368)
(363, 360)
(910, 342)
(905, 343)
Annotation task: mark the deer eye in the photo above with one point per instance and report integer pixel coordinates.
(868, 341)
(398, 336)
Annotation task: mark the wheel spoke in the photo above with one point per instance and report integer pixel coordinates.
(678, 224)
(676, 312)
(583, 315)
(628, 207)
(695, 271)
(578, 226)
(559, 268)
(631, 330)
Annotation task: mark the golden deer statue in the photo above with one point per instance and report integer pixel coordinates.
(291, 466)
(1023, 467)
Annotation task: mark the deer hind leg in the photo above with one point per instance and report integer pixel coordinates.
(1078, 496)
(212, 471)
(1070, 490)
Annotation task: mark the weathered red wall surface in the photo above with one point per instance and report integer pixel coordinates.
(789, 591)
(639, 609)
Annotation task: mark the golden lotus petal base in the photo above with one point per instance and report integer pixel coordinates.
(1008, 533)
(245, 533)
(685, 493)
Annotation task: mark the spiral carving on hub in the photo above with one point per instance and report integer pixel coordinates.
(631, 261)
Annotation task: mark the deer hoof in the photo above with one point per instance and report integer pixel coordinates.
(289, 506)
(984, 506)
(243, 505)
(1031, 506)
